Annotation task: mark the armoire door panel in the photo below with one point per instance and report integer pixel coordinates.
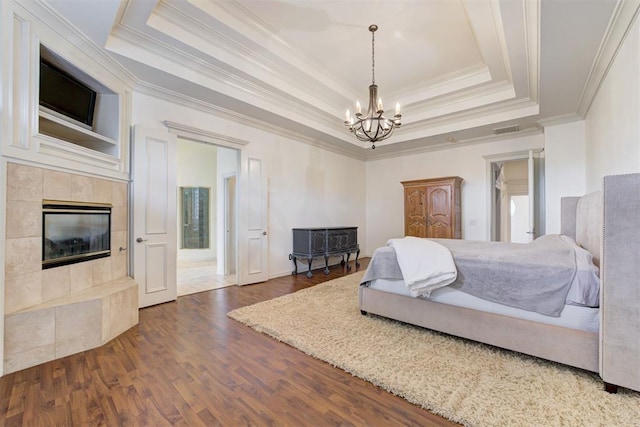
(433, 208)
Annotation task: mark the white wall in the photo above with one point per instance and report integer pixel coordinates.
(197, 168)
(613, 121)
(308, 186)
(565, 157)
(385, 205)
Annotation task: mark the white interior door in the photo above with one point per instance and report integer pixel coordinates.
(252, 225)
(532, 197)
(154, 206)
(230, 225)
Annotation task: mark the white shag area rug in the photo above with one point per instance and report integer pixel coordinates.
(466, 382)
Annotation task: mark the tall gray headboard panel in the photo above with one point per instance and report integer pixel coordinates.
(568, 206)
(620, 276)
(581, 218)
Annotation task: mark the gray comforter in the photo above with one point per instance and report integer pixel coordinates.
(534, 276)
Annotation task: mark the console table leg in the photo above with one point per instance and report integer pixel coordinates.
(309, 274)
(326, 265)
(295, 264)
(357, 255)
(342, 260)
(348, 256)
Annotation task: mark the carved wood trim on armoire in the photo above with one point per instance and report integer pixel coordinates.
(432, 208)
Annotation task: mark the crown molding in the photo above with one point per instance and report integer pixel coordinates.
(558, 120)
(349, 149)
(281, 69)
(448, 83)
(452, 145)
(514, 155)
(476, 97)
(625, 14)
(135, 44)
(532, 34)
(187, 131)
(509, 110)
(43, 13)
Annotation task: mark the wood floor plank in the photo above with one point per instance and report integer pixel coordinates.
(187, 364)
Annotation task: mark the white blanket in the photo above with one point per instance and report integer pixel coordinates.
(425, 264)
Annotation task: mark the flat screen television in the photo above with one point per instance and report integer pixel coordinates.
(66, 95)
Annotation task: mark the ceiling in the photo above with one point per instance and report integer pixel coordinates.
(459, 68)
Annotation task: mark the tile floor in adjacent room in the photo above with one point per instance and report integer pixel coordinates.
(199, 276)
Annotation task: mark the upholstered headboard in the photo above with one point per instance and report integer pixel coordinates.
(620, 286)
(581, 218)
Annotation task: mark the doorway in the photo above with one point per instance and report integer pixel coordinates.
(203, 243)
(517, 197)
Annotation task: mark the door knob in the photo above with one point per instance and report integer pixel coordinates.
(140, 240)
(264, 233)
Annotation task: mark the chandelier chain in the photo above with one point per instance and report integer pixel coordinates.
(373, 57)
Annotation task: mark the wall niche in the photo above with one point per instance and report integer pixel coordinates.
(64, 93)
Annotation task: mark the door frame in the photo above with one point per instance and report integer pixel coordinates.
(491, 190)
(242, 214)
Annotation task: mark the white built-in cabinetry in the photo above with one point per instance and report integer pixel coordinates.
(43, 136)
(102, 137)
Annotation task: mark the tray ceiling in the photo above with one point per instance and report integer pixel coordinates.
(459, 68)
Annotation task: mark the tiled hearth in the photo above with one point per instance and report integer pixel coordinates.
(63, 310)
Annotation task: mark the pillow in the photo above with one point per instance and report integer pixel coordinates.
(585, 287)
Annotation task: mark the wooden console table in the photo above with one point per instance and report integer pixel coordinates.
(310, 243)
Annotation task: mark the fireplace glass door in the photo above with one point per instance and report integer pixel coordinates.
(75, 233)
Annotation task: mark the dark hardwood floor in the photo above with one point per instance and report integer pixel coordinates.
(186, 363)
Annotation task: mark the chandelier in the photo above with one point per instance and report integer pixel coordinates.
(372, 126)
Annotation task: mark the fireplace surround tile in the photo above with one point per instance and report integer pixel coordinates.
(59, 311)
(102, 190)
(118, 240)
(56, 283)
(119, 218)
(119, 195)
(81, 276)
(23, 255)
(119, 265)
(56, 185)
(24, 219)
(78, 327)
(25, 183)
(22, 291)
(101, 270)
(82, 189)
(29, 339)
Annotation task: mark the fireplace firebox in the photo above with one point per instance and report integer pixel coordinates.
(74, 232)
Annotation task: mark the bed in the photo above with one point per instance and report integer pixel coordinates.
(601, 339)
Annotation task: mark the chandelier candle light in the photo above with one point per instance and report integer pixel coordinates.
(373, 126)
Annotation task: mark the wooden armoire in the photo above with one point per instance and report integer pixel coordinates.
(432, 208)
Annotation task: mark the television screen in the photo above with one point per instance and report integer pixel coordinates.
(66, 95)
